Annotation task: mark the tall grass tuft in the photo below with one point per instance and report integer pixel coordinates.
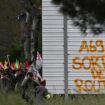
(13, 98)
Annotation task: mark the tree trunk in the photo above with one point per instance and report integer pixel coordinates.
(29, 30)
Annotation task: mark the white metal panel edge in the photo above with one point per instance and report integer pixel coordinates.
(53, 57)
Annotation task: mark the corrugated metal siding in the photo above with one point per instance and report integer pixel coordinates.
(53, 50)
(83, 80)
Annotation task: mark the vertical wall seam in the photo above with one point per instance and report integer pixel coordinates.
(65, 57)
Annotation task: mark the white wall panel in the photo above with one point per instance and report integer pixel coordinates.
(53, 50)
(81, 80)
(89, 81)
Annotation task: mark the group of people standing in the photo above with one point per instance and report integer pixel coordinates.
(21, 73)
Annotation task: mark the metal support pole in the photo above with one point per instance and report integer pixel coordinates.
(65, 57)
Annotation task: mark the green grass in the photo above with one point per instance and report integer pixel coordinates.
(13, 98)
(79, 100)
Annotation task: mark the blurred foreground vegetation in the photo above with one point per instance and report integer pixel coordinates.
(13, 98)
(10, 99)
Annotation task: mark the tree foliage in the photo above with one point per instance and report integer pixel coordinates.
(10, 30)
(87, 14)
(10, 37)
